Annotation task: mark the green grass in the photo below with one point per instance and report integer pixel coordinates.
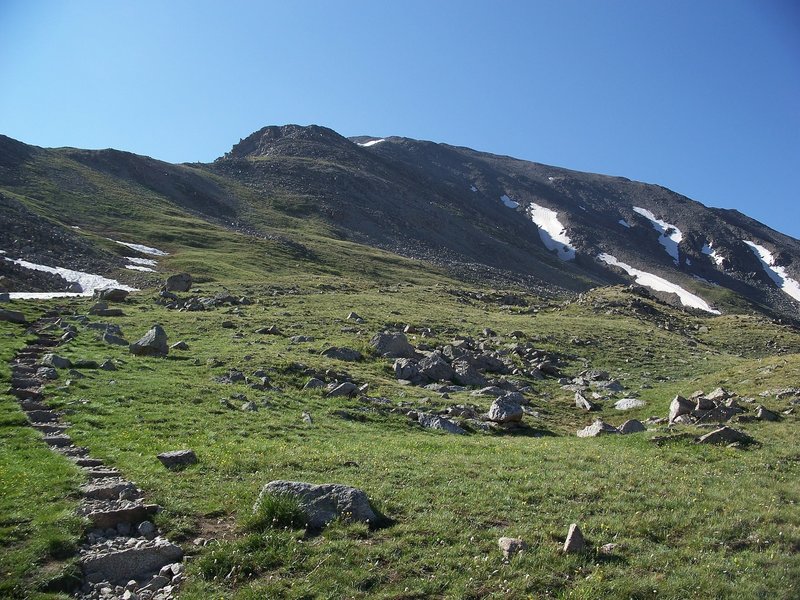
(690, 521)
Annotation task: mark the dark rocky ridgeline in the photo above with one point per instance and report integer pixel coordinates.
(122, 555)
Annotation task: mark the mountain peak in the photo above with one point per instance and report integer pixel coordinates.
(313, 140)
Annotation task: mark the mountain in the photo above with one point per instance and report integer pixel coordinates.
(306, 192)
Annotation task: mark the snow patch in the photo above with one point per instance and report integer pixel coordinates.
(709, 251)
(371, 143)
(508, 201)
(660, 284)
(624, 223)
(554, 235)
(776, 273)
(473, 188)
(140, 268)
(87, 281)
(670, 236)
(149, 262)
(141, 248)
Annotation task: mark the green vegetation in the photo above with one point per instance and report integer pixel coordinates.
(689, 521)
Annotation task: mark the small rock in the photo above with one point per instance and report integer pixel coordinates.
(307, 418)
(510, 546)
(599, 427)
(629, 403)
(607, 549)
(175, 459)
(343, 389)
(179, 346)
(146, 529)
(56, 361)
(631, 426)
(313, 384)
(584, 403)
(765, 414)
(153, 343)
(435, 422)
(345, 354)
(575, 541)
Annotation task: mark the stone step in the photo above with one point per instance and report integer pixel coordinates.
(110, 488)
(105, 518)
(49, 428)
(46, 341)
(26, 382)
(100, 472)
(26, 393)
(32, 405)
(57, 440)
(88, 462)
(42, 416)
(23, 370)
(72, 451)
(121, 566)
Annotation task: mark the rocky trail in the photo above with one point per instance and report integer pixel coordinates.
(122, 554)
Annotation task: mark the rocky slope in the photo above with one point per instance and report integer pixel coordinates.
(487, 218)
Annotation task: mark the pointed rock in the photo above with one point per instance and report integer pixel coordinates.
(680, 406)
(575, 541)
(154, 343)
(599, 427)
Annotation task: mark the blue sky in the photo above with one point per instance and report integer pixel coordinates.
(701, 97)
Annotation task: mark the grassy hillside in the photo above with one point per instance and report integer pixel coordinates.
(689, 520)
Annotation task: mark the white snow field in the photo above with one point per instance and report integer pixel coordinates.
(552, 232)
(371, 143)
(670, 236)
(777, 274)
(88, 282)
(654, 282)
(508, 201)
(709, 251)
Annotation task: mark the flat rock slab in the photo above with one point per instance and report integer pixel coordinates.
(132, 563)
(135, 513)
(725, 435)
(435, 422)
(325, 502)
(345, 354)
(629, 403)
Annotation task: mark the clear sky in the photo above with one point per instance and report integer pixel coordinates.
(701, 96)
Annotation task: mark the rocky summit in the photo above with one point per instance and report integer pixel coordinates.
(329, 367)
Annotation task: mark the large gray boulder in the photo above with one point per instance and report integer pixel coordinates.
(153, 343)
(392, 345)
(430, 421)
(324, 502)
(632, 426)
(436, 368)
(507, 409)
(182, 282)
(345, 354)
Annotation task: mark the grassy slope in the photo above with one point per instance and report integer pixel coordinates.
(691, 521)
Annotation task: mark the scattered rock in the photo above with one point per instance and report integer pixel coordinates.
(179, 346)
(507, 409)
(466, 374)
(345, 354)
(435, 422)
(114, 340)
(584, 403)
(343, 389)
(725, 435)
(632, 426)
(111, 294)
(176, 459)
(607, 549)
(56, 361)
(354, 317)
(307, 418)
(271, 330)
(181, 282)
(120, 566)
(153, 343)
(679, 406)
(12, 316)
(575, 541)
(511, 546)
(392, 345)
(629, 403)
(435, 368)
(324, 503)
(599, 427)
(764, 414)
(313, 384)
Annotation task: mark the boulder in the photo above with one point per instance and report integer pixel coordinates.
(631, 426)
(56, 361)
(575, 541)
(435, 422)
(466, 374)
(765, 414)
(718, 395)
(629, 403)
(175, 459)
(313, 384)
(153, 343)
(511, 546)
(115, 340)
(725, 435)
(584, 403)
(392, 345)
(181, 282)
(323, 503)
(436, 368)
(599, 427)
(343, 389)
(12, 316)
(507, 409)
(680, 406)
(345, 354)
(111, 294)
